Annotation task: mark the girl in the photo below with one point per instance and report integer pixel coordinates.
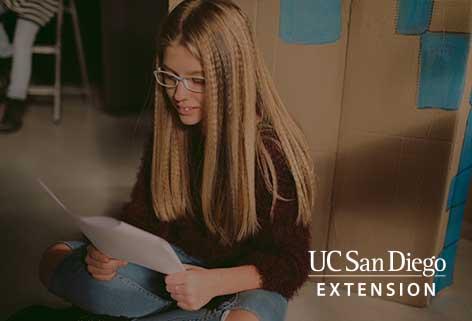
(227, 180)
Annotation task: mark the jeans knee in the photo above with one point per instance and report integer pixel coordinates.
(50, 260)
(239, 315)
(264, 306)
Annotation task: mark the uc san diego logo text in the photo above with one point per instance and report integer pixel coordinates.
(395, 266)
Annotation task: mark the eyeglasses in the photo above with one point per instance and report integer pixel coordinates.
(169, 80)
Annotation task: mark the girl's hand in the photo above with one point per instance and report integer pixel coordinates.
(193, 288)
(101, 266)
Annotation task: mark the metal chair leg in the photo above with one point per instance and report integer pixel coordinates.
(56, 49)
(58, 72)
(80, 50)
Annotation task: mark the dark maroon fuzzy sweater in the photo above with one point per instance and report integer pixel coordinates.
(279, 250)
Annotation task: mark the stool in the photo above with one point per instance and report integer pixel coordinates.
(55, 49)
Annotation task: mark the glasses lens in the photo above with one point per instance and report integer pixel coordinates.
(166, 79)
(196, 84)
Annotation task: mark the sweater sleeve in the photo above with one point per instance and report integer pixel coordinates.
(280, 249)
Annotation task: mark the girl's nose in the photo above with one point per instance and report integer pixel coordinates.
(180, 92)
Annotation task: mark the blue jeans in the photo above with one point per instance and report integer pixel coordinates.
(139, 293)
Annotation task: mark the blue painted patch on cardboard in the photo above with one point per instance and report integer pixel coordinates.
(460, 184)
(414, 16)
(454, 225)
(442, 69)
(459, 189)
(466, 153)
(449, 255)
(310, 21)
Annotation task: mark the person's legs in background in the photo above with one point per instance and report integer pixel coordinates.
(25, 34)
(14, 102)
(6, 51)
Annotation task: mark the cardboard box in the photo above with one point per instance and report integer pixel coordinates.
(384, 166)
(395, 162)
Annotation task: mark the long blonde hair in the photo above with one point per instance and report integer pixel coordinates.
(241, 103)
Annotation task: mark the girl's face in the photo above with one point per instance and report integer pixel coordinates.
(188, 104)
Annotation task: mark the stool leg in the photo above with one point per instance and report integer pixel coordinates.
(80, 50)
(58, 74)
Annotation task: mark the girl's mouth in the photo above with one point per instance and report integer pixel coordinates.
(185, 110)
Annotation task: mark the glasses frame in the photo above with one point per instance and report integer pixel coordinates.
(177, 78)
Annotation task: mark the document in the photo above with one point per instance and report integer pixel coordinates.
(122, 241)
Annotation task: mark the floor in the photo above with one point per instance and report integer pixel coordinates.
(90, 161)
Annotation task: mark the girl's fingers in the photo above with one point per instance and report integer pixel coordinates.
(100, 257)
(184, 306)
(96, 271)
(175, 289)
(177, 297)
(92, 262)
(178, 290)
(110, 265)
(97, 255)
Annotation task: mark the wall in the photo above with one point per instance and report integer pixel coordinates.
(384, 165)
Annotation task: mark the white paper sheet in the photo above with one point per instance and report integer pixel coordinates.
(120, 240)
